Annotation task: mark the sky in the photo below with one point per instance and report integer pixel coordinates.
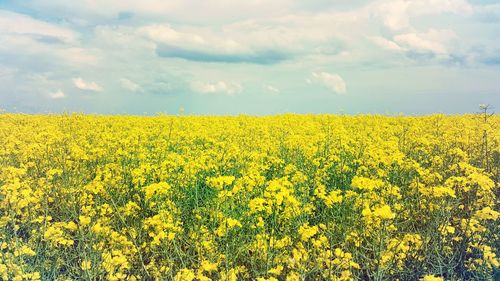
(219, 57)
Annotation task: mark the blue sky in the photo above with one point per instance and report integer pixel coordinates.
(252, 57)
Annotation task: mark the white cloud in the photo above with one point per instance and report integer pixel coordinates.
(433, 41)
(197, 43)
(77, 55)
(396, 14)
(272, 89)
(385, 43)
(124, 37)
(7, 72)
(87, 86)
(177, 10)
(14, 23)
(442, 44)
(489, 11)
(256, 40)
(281, 30)
(34, 44)
(331, 81)
(289, 35)
(224, 87)
(164, 33)
(91, 9)
(57, 94)
(130, 85)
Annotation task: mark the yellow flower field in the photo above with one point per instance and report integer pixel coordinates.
(289, 197)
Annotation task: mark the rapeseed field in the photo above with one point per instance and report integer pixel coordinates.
(289, 197)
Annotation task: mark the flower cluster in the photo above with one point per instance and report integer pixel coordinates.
(249, 198)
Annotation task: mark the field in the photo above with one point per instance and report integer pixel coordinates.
(289, 197)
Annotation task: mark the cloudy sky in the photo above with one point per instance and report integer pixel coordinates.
(252, 56)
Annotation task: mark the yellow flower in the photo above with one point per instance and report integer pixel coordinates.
(363, 183)
(293, 276)
(306, 231)
(207, 266)
(309, 196)
(156, 189)
(276, 270)
(487, 213)
(432, 278)
(84, 220)
(184, 275)
(266, 279)
(257, 204)
(56, 235)
(227, 225)
(384, 212)
(70, 226)
(220, 182)
(26, 251)
(131, 209)
(85, 265)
